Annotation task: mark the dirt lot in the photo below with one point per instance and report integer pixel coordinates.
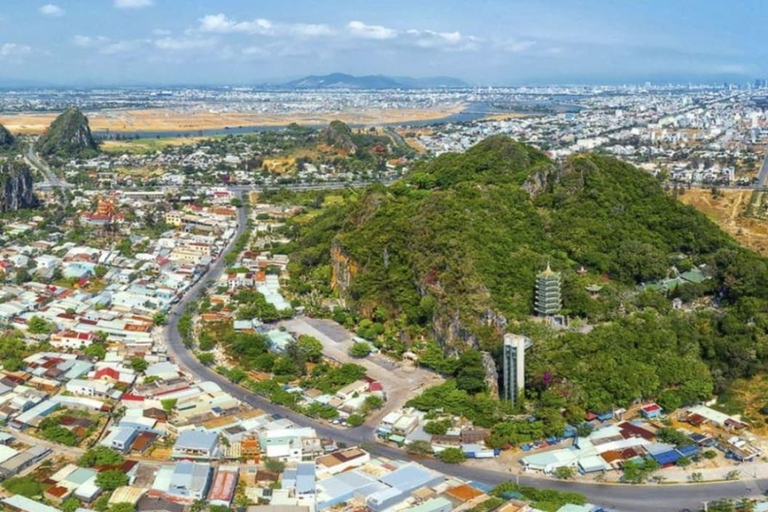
(727, 210)
(167, 120)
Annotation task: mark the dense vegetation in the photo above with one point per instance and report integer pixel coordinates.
(452, 253)
(7, 140)
(69, 136)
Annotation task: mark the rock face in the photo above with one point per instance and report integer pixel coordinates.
(6, 139)
(338, 135)
(16, 186)
(68, 136)
(343, 269)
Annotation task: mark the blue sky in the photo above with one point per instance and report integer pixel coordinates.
(481, 41)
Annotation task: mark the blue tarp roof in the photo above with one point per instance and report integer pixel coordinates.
(669, 457)
(688, 451)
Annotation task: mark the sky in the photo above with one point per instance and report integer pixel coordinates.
(484, 42)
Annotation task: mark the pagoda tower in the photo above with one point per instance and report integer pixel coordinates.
(548, 286)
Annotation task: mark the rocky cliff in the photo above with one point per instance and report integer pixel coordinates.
(69, 136)
(6, 139)
(16, 187)
(338, 135)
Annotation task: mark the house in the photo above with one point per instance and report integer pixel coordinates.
(152, 504)
(432, 505)
(195, 444)
(83, 387)
(224, 486)
(650, 411)
(350, 390)
(121, 438)
(190, 481)
(342, 460)
(20, 503)
(305, 481)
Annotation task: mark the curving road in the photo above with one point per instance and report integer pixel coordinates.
(624, 498)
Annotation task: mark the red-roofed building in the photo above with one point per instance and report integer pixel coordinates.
(108, 373)
(223, 488)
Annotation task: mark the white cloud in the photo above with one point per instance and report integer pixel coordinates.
(515, 45)
(311, 30)
(51, 11)
(123, 46)
(452, 41)
(13, 52)
(88, 41)
(171, 43)
(161, 32)
(363, 31)
(220, 23)
(133, 4)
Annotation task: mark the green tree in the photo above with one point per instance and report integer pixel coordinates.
(100, 456)
(437, 427)
(121, 507)
(159, 318)
(95, 351)
(452, 455)
(139, 364)
(312, 347)
(419, 448)
(359, 349)
(274, 465)
(70, 504)
(22, 276)
(168, 405)
(111, 480)
(205, 358)
(38, 325)
(565, 472)
(355, 420)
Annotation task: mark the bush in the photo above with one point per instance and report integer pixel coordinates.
(359, 349)
(437, 428)
(452, 456)
(111, 480)
(24, 486)
(100, 456)
(274, 465)
(419, 448)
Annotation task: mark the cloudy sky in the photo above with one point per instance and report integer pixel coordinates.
(481, 41)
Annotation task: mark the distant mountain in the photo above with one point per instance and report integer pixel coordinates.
(68, 136)
(344, 81)
(432, 82)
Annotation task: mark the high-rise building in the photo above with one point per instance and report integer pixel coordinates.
(513, 366)
(547, 301)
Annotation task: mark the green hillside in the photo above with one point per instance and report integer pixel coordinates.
(69, 136)
(452, 252)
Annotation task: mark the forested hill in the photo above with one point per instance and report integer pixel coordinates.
(69, 136)
(455, 249)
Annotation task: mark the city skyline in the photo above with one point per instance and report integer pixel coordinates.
(169, 42)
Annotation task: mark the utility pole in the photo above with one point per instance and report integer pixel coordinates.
(706, 503)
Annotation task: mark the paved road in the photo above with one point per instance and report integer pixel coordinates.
(624, 498)
(38, 163)
(763, 175)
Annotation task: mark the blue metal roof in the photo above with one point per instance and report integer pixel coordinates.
(669, 457)
(688, 451)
